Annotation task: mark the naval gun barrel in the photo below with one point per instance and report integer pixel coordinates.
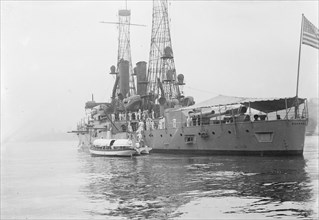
(212, 113)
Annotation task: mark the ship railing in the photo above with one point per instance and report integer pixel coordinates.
(222, 114)
(226, 114)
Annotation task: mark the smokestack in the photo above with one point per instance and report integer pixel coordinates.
(141, 78)
(124, 77)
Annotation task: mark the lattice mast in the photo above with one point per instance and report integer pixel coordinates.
(161, 62)
(124, 47)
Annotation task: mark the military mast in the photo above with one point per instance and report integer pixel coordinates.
(161, 75)
(125, 82)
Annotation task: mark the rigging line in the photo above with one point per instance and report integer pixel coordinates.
(200, 90)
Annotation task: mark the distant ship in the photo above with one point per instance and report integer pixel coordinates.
(172, 123)
(312, 128)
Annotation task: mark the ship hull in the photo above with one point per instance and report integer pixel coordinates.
(231, 152)
(86, 139)
(279, 137)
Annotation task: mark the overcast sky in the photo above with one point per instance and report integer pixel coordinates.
(55, 54)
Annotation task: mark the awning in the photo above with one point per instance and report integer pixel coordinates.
(262, 104)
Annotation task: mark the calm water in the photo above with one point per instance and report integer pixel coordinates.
(52, 180)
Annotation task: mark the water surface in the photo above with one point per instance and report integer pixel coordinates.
(52, 180)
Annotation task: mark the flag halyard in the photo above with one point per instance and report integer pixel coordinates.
(310, 35)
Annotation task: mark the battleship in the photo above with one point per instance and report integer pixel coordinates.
(151, 100)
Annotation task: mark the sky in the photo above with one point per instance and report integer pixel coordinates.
(56, 54)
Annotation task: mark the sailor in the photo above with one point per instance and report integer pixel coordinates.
(163, 122)
(139, 114)
(139, 137)
(113, 116)
(124, 116)
(139, 131)
(198, 119)
(109, 133)
(133, 116)
(129, 116)
(188, 121)
(129, 127)
(141, 126)
(152, 124)
(174, 123)
(145, 114)
(148, 124)
(153, 114)
(160, 124)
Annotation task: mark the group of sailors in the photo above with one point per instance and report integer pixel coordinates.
(193, 120)
(148, 124)
(147, 118)
(132, 116)
(197, 120)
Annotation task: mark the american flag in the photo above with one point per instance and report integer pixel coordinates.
(310, 34)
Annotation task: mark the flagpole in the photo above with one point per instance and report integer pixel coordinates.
(297, 102)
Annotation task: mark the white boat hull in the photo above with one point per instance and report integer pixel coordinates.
(123, 153)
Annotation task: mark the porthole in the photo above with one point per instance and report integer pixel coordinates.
(170, 135)
(213, 132)
(161, 135)
(229, 132)
(247, 130)
(181, 134)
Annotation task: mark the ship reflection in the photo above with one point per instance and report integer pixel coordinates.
(154, 186)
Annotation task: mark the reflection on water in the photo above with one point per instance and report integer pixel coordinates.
(155, 186)
(53, 181)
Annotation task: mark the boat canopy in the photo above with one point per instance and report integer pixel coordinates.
(266, 105)
(102, 142)
(122, 142)
(116, 142)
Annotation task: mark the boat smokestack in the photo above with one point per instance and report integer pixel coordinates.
(141, 78)
(124, 82)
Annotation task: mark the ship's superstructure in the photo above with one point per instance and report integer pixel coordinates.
(104, 117)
